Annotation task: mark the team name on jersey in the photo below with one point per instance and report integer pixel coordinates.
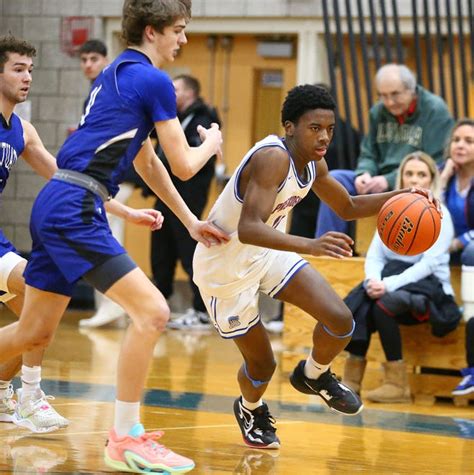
(288, 203)
(8, 156)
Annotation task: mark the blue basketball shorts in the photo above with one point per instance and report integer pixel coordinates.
(71, 236)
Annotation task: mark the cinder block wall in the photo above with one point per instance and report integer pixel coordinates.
(59, 89)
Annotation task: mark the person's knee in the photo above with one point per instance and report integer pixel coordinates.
(153, 318)
(35, 338)
(341, 322)
(467, 255)
(260, 369)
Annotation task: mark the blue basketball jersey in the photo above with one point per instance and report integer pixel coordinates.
(125, 101)
(12, 145)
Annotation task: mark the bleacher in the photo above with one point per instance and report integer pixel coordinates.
(433, 363)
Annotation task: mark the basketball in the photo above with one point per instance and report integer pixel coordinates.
(408, 224)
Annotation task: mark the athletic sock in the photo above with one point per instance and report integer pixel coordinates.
(251, 405)
(30, 380)
(127, 414)
(313, 369)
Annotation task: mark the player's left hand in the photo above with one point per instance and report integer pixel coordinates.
(146, 217)
(375, 289)
(428, 194)
(208, 233)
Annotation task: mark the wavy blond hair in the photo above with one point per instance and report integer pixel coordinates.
(430, 163)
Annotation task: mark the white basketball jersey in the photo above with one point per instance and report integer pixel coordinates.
(228, 269)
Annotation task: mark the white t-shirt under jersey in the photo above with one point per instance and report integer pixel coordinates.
(227, 270)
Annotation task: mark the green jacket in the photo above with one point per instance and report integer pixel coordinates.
(387, 142)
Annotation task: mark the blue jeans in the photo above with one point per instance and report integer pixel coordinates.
(328, 220)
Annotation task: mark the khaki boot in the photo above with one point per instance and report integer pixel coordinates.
(354, 372)
(395, 386)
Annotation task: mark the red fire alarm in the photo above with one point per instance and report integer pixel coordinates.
(75, 31)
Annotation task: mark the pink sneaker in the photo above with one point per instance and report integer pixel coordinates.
(139, 453)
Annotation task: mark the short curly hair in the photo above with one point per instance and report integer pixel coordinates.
(301, 99)
(137, 14)
(11, 44)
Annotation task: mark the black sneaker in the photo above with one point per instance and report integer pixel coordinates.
(256, 426)
(339, 397)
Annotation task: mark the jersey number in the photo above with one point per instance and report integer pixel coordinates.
(91, 102)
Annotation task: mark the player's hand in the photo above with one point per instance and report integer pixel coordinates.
(456, 245)
(208, 233)
(333, 244)
(375, 288)
(214, 136)
(378, 184)
(428, 194)
(146, 217)
(362, 182)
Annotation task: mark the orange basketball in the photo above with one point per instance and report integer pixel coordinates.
(408, 224)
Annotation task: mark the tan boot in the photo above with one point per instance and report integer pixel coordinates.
(395, 386)
(354, 372)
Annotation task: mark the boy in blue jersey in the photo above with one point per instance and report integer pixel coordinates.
(71, 237)
(19, 138)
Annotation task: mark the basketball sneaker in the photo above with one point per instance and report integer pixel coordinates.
(7, 405)
(257, 426)
(138, 452)
(466, 385)
(36, 413)
(190, 320)
(339, 397)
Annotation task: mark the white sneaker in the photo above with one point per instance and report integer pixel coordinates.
(107, 312)
(36, 414)
(190, 320)
(274, 326)
(7, 405)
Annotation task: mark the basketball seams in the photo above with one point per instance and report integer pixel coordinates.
(417, 227)
(405, 228)
(400, 213)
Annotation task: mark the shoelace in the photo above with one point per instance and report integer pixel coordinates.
(264, 420)
(150, 438)
(9, 392)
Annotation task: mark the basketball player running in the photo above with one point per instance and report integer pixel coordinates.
(272, 178)
(19, 138)
(71, 237)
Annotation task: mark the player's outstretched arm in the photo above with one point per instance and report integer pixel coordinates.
(152, 170)
(36, 154)
(186, 161)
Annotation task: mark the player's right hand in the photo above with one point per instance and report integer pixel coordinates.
(212, 135)
(333, 244)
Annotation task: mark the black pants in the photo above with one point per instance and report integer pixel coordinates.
(168, 245)
(470, 342)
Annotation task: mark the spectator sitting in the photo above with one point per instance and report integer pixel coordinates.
(457, 180)
(407, 118)
(406, 290)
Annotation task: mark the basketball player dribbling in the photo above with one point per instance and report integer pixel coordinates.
(272, 178)
(71, 236)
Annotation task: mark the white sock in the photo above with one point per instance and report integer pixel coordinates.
(313, 369)
(127, 414)
(4, 385)
(30, 380)
(251, 405)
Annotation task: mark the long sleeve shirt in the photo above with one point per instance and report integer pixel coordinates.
(434, 261)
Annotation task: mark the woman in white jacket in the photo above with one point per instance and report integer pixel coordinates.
(394, 294)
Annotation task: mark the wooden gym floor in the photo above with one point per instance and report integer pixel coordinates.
(190, 392)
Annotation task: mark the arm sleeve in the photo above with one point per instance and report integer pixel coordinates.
(157, 94)
(367, 161)
(437, 255)
(391, 178)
